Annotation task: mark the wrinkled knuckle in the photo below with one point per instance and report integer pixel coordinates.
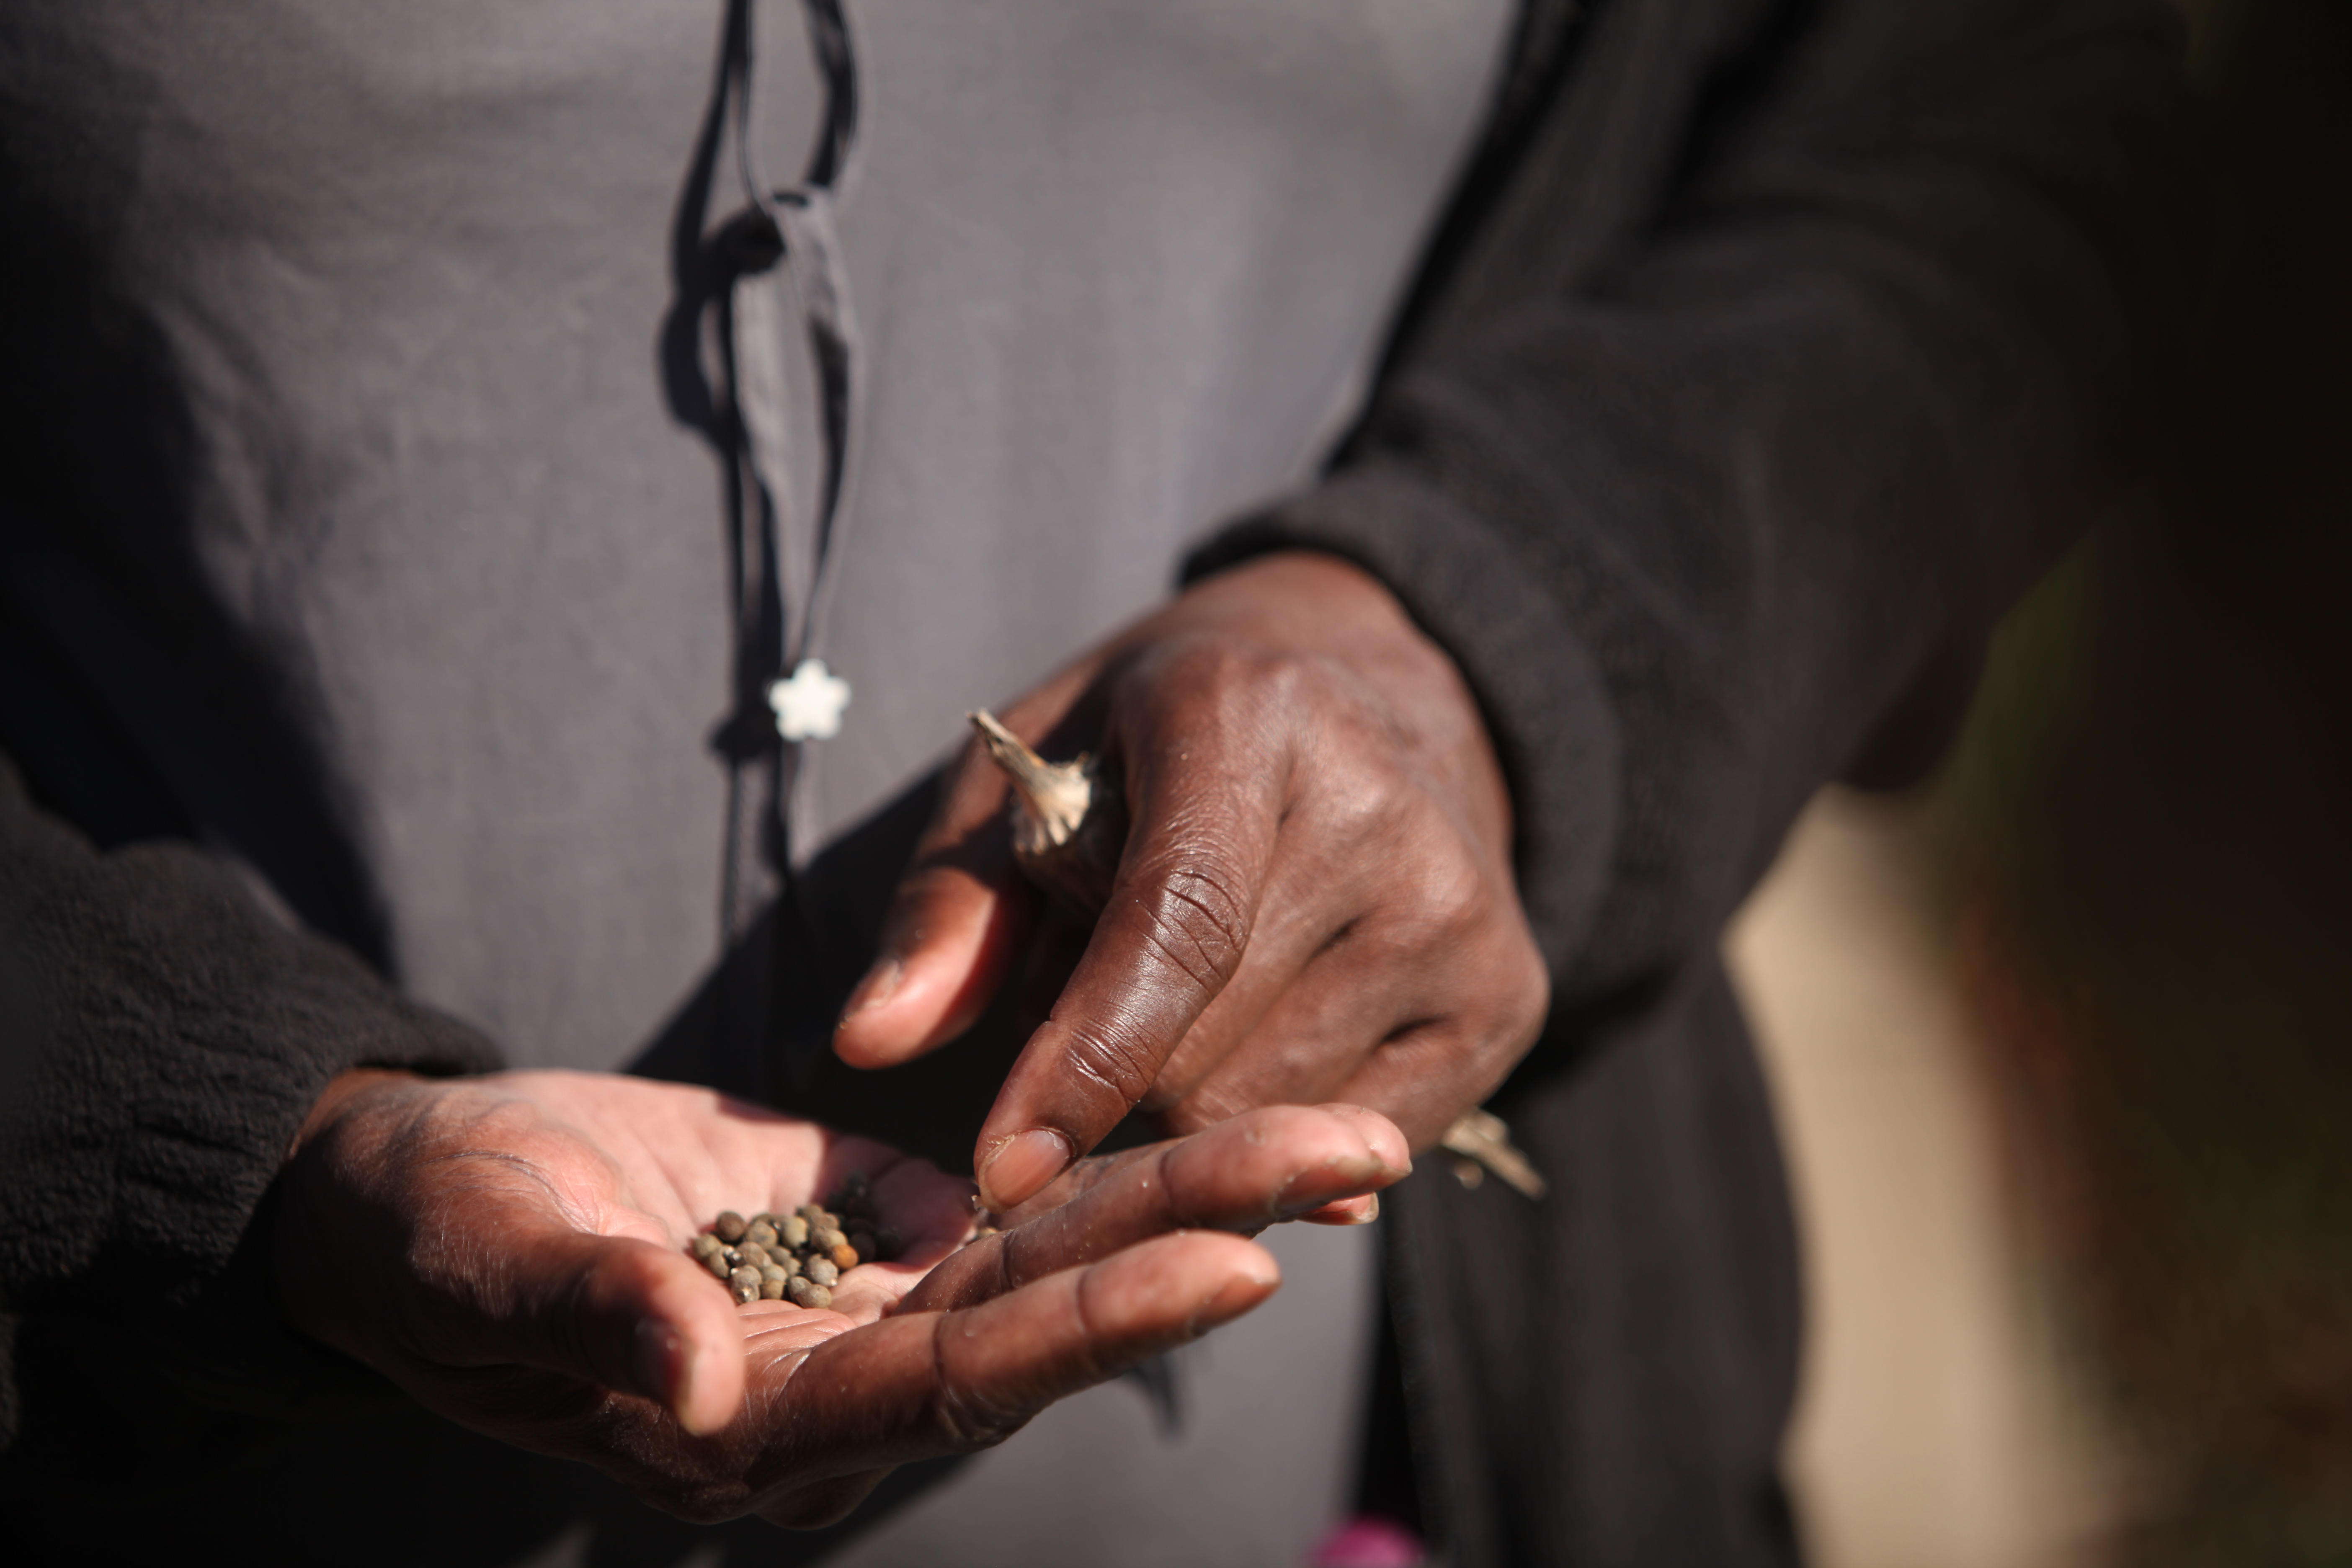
(1119, 1064)
(965, 1419)
(968, 1422)
(1198, 920)
(1445, 904)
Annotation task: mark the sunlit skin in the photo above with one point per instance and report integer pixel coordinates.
(510, 1250)
(1316, 902)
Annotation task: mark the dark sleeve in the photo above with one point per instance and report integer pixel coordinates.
(161, 1036)
(1798, 337)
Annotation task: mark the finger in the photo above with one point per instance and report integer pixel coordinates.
(921, 1385)
(1425, 1078)
(955, 924)
(615, 1311)
(963, 912)
(1311, 1042)
(1310, 907)
(833, 1407)
(1278, 1163)
(1206, 790)
(1449, 980)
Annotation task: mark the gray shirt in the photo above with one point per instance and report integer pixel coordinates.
(1118, 273)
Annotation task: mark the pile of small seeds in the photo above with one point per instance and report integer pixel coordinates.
(798, 1256)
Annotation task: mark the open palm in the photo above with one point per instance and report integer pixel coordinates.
(510, 1250)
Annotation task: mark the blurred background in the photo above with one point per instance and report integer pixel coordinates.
(2063, 1043)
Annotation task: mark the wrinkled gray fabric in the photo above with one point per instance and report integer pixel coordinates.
(1120, 272)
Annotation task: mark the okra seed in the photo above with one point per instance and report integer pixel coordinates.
(729, 1226)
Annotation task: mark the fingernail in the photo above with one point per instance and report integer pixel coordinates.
(881, 984)
(657, 1362)
(1020, 1165)
(1312, 1189)
(1234, 1298)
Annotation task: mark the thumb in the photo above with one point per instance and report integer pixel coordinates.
(620, 1314)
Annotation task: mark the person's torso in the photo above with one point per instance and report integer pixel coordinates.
(1118, 271)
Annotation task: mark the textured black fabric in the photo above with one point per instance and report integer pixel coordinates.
(1774, 345)
(168, 1035)
(1800, 337)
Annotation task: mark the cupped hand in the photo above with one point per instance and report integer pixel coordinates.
(510, 1251)
(1316, 900)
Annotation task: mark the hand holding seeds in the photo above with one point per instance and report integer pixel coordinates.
(515, 1252)
(1314, 901)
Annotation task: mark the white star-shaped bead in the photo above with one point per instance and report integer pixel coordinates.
(808, 705)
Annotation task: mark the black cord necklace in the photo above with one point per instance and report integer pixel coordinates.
(808, 703)
(786, 264)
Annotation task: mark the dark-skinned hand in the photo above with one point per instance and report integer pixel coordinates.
(1316, 900)
(509, 1250)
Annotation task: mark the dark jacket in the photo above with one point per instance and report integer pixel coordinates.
(1772, 346)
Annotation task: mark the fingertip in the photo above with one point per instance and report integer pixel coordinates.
(1181, 1285)
(1016, 1168)
(687, 1348)
(1382, 1138)
(707, 1391)
(943, 952)
(1361, 1210)
(680, 1372)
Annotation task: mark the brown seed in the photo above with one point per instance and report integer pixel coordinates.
(868, 1249)
(845, 1257)
(772, 1289)
(729, 1226)
(775, 1273)
(826, 1238)
(761, 1234)
(818, 1299)
(823, 1271)
(734, 1258)
(717, 1263)
(810, 1212)
(745, 1283)
(794, 1232)
(801, 1293)
(752, 1254)
(704, 1245)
